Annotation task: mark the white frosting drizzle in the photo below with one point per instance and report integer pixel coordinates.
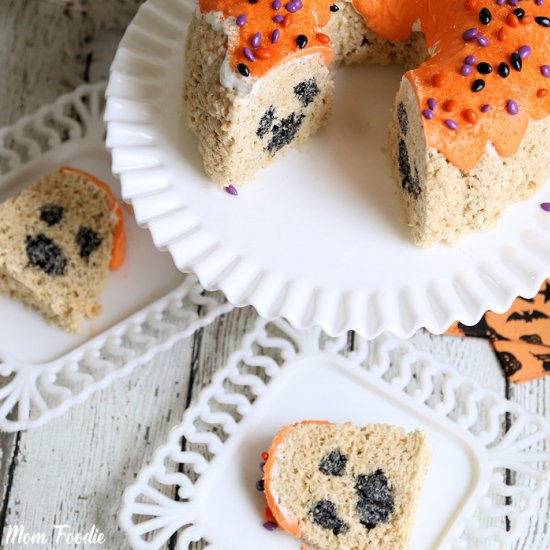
(229, 77)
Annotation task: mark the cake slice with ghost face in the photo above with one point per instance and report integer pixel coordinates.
(342, 487)
(57, 240)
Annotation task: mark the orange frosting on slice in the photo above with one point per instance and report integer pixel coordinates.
(288, 524)
(288, 41)
(499, 109)
(119, 233)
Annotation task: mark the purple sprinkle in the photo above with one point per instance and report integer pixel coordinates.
(485, 108)
(248, 54)
(262, 465)
(292, 7)
(513, 2)
(539, 2)
(270, 526)
(501, 2)
(256, 40)
(278, 19)
(432, 104)
(470, 60)
(545, 70)
(545, 206)
(241, 20)
(232, 190)
(277, 5)
(466, 70)
(512, 107)
(525, 52)
(299, 4)
(428, 114)
(451, 124)
(275, 36)
(483, 41)
(470, 33)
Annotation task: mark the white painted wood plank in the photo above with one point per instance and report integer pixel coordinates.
(74, 469)
(472, 357)
(535, 397)
(34, 67)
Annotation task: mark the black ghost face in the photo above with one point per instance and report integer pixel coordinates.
(282, 131)
(374, 505)
(410, 178)
(48, 256)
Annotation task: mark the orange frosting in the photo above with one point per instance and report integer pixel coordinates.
(259, 19)
(288, 524)
(461, 134)
(119, 233)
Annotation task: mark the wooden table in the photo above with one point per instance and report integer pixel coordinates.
(74, 469)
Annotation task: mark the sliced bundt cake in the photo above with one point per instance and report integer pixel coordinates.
(339, 486)
(470, 133)
(57, 241)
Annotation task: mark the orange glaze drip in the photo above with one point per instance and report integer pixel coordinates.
(288, 524)
(259, 19)
(444, 23)
(119, 233)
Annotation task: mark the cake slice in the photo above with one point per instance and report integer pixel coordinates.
(339, 486)
(57, 241)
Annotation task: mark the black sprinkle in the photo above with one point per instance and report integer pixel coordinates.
(334, 8)
(243, 69)
(478, 85)
(543, 21)
(88, 241)
(324, 514)
(375, 504)
(52, 214)
(485, 16)
(517, 62)
(504, 70)
(307, 91)
(484, 68)
(301, 41)
(520, 13)
(46, 255)
(266, 122)
(260, 485)
(253, 1)
(333, 464)
(409, 182)
(284, 132)
(365, 41)
(402, 118)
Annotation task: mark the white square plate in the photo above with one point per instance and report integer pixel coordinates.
(147, 305)
(475, 452)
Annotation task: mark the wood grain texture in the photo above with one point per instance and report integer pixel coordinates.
(75, 468)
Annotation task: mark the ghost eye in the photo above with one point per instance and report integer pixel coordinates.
(306, 91)
(52, 214)
(333, 464)
(266, 122)
(88, 241)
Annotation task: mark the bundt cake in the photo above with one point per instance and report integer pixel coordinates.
(58, 239)
(339, 486)
(470, 131)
